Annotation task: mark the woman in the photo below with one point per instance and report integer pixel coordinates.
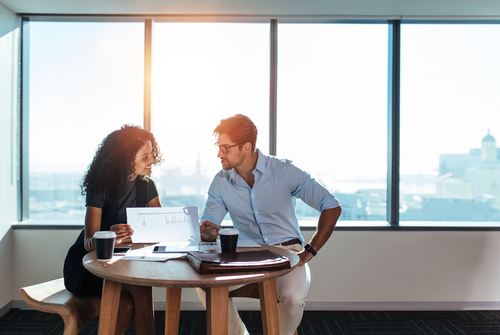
(116, 179)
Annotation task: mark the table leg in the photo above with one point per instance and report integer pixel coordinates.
(173, 310)
(110, 301)
(217, 310)
(269, 307)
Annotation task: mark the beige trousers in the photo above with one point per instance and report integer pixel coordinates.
(292, 293)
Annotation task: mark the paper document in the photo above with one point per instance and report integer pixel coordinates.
(170, 247)
(141, 255)
(164, 224)
(245, 241)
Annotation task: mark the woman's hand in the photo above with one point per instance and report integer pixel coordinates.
(122, 231)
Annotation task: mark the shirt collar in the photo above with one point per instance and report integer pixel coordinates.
(260, 166)
(261, 162)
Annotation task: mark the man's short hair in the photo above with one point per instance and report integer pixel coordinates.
(239, 128)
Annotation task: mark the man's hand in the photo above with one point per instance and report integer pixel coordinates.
(326, 224)
(304, 257)
(209, 231)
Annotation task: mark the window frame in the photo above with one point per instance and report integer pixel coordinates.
(392, 222)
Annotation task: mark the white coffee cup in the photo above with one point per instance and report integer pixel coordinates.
(104, 244)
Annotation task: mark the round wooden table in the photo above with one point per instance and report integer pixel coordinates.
(174, 275)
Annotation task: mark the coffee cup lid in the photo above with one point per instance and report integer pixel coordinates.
(229, 231)
(104, 234)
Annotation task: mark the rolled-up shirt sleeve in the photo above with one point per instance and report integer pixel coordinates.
(215, 209)
(303, 186)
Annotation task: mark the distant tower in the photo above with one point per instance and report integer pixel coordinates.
(489, 148)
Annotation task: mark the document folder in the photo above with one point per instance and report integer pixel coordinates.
(206, 263)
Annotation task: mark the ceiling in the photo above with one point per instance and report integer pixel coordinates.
(384, 8)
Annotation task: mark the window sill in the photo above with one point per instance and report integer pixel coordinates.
(307, 225)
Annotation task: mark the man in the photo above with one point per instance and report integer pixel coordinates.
(257, 192)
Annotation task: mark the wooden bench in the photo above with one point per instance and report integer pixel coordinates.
(52, 297)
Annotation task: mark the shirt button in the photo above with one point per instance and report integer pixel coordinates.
(256, 212)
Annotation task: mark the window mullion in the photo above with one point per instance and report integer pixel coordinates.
(273, 75)
(393, 118)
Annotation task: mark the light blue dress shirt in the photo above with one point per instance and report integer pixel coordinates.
(265, 213)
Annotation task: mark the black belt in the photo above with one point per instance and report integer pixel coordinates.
(293, 241)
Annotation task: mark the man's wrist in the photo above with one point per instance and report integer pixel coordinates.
(309, 248)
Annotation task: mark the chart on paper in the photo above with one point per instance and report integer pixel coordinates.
(164, 224)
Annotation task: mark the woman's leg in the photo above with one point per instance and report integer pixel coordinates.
(92, 285)
(142, 297)
(125, 313)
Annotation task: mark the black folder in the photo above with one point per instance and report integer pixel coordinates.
(205, 263)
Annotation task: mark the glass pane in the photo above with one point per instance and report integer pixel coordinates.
(450, 79)
(202, 73)
(85, 80)
(332, 112)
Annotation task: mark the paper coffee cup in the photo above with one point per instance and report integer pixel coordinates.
(104, 244)
(228, 239)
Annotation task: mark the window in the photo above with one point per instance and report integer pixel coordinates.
(332, 112)
(202, 73)
(450, 120)
(85, 80)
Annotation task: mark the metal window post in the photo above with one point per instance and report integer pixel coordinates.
(393, 126)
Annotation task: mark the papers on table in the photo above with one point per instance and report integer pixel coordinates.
(164, 224)
(176, 247)
(148, 255)
(245, 242)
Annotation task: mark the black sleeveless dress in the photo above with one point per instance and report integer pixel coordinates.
(77, 279)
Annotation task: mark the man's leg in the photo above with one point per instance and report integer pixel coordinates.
(235, 325)
(292, 293)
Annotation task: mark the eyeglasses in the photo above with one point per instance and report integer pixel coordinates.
(224, 148)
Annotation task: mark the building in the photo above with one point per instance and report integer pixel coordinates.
(473, 176)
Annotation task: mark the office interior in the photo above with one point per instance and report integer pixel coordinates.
(358, 269)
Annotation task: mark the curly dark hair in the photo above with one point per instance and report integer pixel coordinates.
(113, 162)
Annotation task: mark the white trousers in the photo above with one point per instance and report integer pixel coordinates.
(292, 293)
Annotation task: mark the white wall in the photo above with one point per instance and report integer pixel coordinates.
(9, 33)
(355, 270)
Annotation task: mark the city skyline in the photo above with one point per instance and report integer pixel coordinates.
(331, 98)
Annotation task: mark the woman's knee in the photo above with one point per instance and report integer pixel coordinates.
(139, 293)
(144, 291)
(126, 309)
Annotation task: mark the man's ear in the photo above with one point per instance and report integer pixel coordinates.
(247, 146)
